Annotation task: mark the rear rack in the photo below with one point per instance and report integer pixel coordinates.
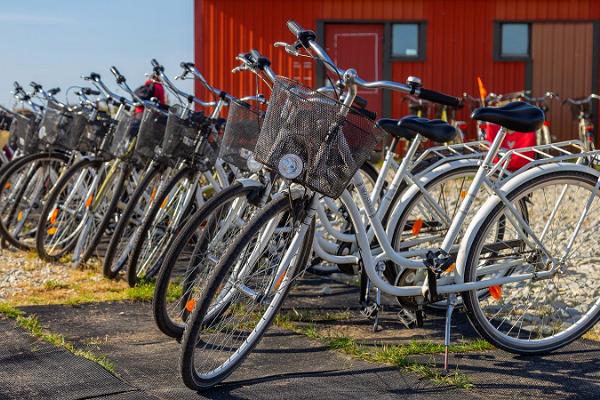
(453, 152)
(543, 154)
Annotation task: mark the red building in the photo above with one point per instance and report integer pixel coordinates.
(512, 45)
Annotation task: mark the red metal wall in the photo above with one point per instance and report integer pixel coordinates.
(459, 36)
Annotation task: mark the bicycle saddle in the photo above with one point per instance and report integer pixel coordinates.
(391, 126)
(516, 116)
(433, 129)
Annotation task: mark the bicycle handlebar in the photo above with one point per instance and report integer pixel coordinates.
(307, 39)
(584, 100)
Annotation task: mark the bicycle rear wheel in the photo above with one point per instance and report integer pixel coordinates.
(195, 252)
(536, 316)
(245, 292)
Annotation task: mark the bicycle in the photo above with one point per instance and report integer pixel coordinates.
(581, 109)
(240, 276)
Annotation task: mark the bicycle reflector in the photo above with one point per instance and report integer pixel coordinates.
(496, 292)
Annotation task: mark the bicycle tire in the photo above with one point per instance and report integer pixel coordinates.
(90, 250)
(160, 305)
(49, 207)
(141, 233)
(109, 268)
(191, 378)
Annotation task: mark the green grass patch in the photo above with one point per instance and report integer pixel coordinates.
(53, 284)
(398, 356)
(10, 311)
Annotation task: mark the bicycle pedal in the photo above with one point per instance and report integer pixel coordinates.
(370, 311)
(408, 318)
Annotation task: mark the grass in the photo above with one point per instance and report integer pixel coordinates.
(399, 356)
(591, 335)
(32, 324)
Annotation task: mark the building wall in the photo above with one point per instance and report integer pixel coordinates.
(459, 37)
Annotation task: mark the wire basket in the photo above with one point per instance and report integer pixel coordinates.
(56, 127)
(314, 140)
(94, 131)
(151, 132)
(241, 133)
(181, 134)
(24, 131)
(212, 133)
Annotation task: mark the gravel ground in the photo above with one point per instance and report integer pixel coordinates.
(19, 271)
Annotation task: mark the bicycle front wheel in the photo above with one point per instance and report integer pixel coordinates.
(538, 315)
(24, 187)
(244, 294)
(195, 252)
(62, 217)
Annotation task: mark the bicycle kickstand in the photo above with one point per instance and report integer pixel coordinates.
(449, 311)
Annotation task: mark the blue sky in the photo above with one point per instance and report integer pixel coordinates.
(54, 42)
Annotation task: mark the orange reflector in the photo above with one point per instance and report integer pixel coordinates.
(279, 281)
(463, 194)
(52, 231)
(153, 194)
(53, 216)
(164, 203)
(7, 185)
(496, 292)
(451, 268)
(190, 304)
(20, 216)
(89, 200)
(417, 226)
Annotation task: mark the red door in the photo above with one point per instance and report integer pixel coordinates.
(358, 46)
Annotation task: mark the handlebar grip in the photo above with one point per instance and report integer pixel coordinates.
(294, 27)
(95, 76)
(360, 102)
(157, 66)
(17, 85)
(304, 36)
(35, 85)
(115, 71)
(54, 91)
(117, 74)
(186, 65)
(439, 98)
(255, 54)
(91, 92)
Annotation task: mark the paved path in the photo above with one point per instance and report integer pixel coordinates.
(284, 365)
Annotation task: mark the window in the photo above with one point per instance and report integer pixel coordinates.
(407, 41)
(514, 41)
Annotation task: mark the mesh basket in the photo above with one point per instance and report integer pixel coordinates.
(212, 132)
(24, 131)
(150, 134)
(94, 131)
(241, 133)
(316, 136)
(55, 128)
(181, 134)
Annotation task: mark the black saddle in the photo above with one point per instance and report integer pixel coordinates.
(391, 126)
(433, 129)
(516, 116)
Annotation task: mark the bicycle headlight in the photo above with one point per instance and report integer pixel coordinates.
(290, 166)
